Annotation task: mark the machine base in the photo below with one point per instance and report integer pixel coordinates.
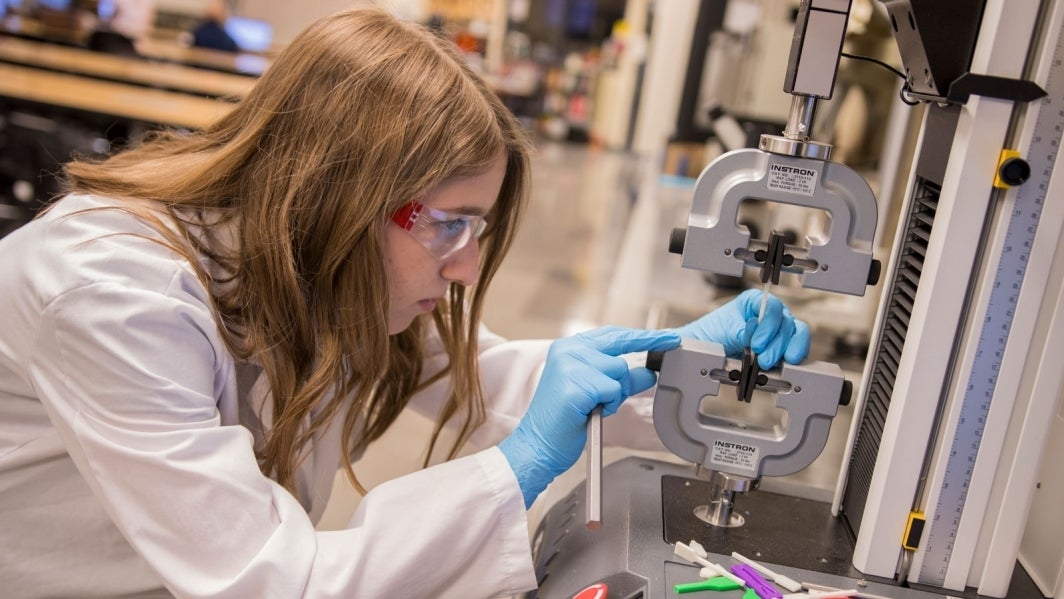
(648, 506)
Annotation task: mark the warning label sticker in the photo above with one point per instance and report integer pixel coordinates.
(792, 178)
(737, 455)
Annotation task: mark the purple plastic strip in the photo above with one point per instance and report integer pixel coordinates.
(762, 587)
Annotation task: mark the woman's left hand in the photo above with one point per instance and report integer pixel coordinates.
(735, 326)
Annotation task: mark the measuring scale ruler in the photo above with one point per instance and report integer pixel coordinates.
(945, 536)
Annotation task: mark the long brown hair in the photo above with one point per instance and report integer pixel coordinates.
(361, 113)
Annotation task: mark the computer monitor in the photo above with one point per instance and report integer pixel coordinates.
(252, 35)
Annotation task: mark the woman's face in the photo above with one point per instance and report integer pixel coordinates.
(418, 279)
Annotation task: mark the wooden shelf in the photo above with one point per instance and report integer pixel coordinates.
(122, 100)
(120, 68)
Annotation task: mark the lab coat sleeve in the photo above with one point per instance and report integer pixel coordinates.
(459, 544)
(510, 372)
(131, 376)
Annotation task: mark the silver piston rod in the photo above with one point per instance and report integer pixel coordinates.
(795, 139)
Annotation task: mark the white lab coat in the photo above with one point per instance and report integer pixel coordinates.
(126, 447)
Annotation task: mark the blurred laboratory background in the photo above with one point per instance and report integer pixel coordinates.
(627, 100)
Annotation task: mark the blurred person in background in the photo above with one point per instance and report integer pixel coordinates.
(210, 32)
(123, 25)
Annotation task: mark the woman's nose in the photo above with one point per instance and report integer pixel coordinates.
(464, 265)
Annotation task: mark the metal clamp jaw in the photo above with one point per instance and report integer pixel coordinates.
(714, 241)
(809, 393)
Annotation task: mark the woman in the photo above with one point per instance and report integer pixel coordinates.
(207, 326)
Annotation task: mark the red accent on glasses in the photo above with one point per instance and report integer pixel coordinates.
(407, 214)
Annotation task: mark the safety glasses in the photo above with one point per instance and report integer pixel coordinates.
(442, 233)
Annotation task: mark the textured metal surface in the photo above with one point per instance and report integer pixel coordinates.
(649, 506)
(887, 352)
(774, 525)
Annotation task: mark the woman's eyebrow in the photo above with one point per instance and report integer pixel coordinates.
(475, 211)
(466, 210)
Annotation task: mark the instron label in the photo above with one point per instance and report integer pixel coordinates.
(792, 178)
(737, 455)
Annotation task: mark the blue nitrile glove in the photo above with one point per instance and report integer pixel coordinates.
(582, 372)
(734, 325)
